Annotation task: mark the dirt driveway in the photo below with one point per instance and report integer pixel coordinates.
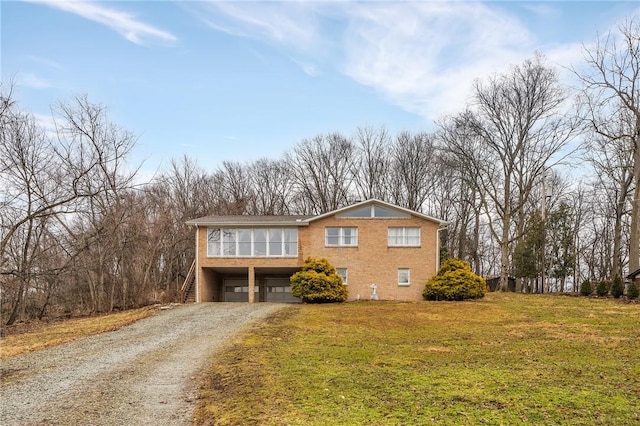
(142, 374)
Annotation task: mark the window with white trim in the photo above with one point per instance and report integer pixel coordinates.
(343, 274)
(252, 242)
(404, 276)
(340, 237)
(403, 237)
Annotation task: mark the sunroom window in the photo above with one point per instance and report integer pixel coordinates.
(252, 242)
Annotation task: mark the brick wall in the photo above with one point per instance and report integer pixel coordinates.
(373, 261)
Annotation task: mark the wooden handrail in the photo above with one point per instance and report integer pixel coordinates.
(188, 280)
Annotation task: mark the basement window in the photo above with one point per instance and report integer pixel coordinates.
(404, 276)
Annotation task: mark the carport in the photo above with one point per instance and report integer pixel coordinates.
(234, 284)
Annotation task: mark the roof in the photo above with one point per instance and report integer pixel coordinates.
(379, 202)
(297, 220)
(250, 220)
(634, 274)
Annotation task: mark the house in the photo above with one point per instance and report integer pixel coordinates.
(251, 258)
(634, 276)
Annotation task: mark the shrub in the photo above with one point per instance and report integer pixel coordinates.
(602, 289)
(586, 288)
(318, 282)
(617, 287)
(632, 291)
(455, 281)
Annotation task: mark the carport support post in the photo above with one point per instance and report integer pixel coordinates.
(252, 284)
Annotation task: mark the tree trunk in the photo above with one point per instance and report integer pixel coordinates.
(504, 254)
(634, 237)
(16, 306)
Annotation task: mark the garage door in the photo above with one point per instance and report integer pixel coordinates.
(236, 290)
(279, 290)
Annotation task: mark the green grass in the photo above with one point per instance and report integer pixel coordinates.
(507, 359)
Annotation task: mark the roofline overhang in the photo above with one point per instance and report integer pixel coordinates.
(247, 224)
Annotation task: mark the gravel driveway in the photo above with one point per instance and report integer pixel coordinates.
(142, 374)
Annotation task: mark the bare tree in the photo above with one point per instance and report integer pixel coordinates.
(272, 186)
(459, 193)
(321, 170)
(613, 166)
(372, 164)
(519, 132)
(236, 184)
(611, 88)
(48, 183)
(413, 169)
(95, 149)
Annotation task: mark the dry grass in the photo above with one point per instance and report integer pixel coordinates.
(507, 359)
(44, 335)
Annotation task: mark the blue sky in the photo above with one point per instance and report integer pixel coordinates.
(238, 80)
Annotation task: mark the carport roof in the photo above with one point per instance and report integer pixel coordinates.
(249, 220)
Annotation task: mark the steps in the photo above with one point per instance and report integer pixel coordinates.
(188, 290)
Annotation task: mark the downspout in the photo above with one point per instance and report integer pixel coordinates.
(197, 259)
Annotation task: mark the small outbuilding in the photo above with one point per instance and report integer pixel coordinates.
(494, 282)
(634, 276)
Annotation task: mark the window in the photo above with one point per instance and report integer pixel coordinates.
(373, 210)
(404, 237)
(260, 242)
(249, 242)
(361, 212)
(244, 242)
(290, 242)
(404, 276)
(275, 242)
(342, 237)
(213, 242)
(343, 274)
(384, 212)
(229, 242)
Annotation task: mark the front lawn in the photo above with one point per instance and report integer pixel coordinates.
(38, 336)
(505, 359)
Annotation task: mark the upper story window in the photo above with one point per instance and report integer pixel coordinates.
(252, 242)
(373, 211)
(340, 237)
(404, 237)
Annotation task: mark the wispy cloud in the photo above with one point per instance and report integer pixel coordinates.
(542, 9)
(125, 24)
(33, 81)
(422, 56)
(292, 24)
(425, 56)
(44, 61)
(309, 68)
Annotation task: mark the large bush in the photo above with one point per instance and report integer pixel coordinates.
(318, 282)
(455, 281)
